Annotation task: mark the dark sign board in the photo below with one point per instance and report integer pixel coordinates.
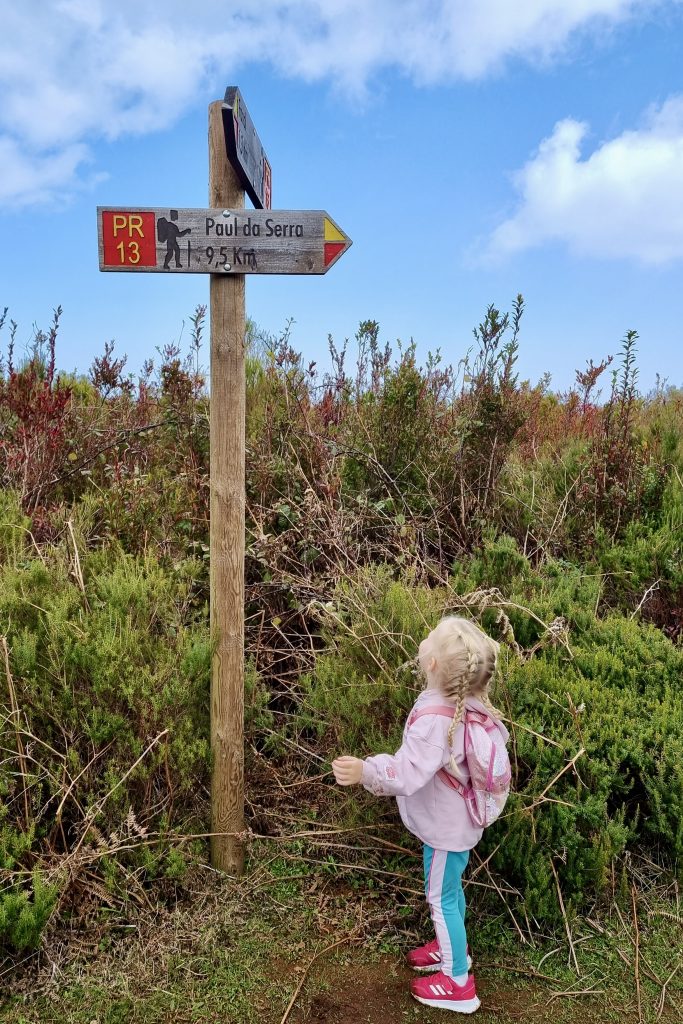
(245, 152)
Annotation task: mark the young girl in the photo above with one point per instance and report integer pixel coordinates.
(458, 661)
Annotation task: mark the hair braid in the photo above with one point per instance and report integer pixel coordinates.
(459, 696)
(466, 663)
(480, 689)
(486, 701)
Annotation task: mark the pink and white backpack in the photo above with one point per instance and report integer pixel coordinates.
(487, 762)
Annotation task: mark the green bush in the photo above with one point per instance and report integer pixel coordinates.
(616, 695)
(378, 497)
(24, 913)
(101, 678)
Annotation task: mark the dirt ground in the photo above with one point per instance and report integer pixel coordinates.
(286, 949)
(379, 993)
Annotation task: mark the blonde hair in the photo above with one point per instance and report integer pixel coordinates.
(466, 661)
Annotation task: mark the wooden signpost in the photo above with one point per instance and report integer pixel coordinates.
(227, 242)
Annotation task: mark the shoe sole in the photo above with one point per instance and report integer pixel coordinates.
(430, 968)
(458, 1005)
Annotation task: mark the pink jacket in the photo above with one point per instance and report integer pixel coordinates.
(429, 808)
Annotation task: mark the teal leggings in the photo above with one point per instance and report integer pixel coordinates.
(443, 889)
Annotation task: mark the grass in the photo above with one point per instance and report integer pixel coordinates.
(236, 951)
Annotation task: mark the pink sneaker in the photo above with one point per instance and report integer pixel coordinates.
(428, 958)
(441, 991)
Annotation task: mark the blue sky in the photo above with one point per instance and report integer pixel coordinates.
(472, 149)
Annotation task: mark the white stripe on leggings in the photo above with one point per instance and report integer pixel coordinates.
(438, 868)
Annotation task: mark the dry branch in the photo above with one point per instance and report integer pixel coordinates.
(333, 945)
(566, 922)
(15, 714)
(636, 963)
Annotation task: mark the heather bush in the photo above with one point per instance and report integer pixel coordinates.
(606, 687)
(104, 702)
(643, 572)
(379, 494)
(36, 419)
(25, 909)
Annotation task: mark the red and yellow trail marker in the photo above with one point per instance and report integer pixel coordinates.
(336, 242)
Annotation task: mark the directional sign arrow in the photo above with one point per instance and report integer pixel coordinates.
(182, 241)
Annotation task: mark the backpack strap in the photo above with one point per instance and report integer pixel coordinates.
(437, 709)
(447, 712)
(480, 717)
(450, 780)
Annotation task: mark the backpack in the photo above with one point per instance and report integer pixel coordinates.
(162, 229)
(487, 761)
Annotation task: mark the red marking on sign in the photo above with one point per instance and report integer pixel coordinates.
(332, 250)
(128, 239)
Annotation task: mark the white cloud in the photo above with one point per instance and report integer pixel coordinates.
(623, 200)
(73, 71)
(37, 178)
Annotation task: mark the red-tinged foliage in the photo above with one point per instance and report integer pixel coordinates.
(383, 460)
(551, 421)
(36, 413)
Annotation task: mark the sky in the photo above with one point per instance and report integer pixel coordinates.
(472, 150)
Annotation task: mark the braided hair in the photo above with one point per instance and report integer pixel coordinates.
(465, 665)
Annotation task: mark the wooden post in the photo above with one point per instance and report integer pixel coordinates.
(227, 467)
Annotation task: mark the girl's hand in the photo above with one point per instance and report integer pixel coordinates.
(348, 771)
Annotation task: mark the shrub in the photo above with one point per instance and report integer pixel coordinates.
(378, 496)
(104, 701)
(614, 692)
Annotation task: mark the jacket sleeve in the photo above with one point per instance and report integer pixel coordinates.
(419, 757)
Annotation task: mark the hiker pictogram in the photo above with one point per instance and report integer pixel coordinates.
(169, 232)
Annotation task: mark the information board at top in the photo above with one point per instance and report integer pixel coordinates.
(185, 241)
(245, 152)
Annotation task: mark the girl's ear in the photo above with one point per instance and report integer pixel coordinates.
(432, 663)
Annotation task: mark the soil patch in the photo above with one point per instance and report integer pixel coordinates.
(379, 993)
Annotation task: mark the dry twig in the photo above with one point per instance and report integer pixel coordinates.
(663, 993)
(505, 903)
(77, 565)
(636, 963)
(566, 922)
(577, 992)
(15, 714)
(347, 938)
